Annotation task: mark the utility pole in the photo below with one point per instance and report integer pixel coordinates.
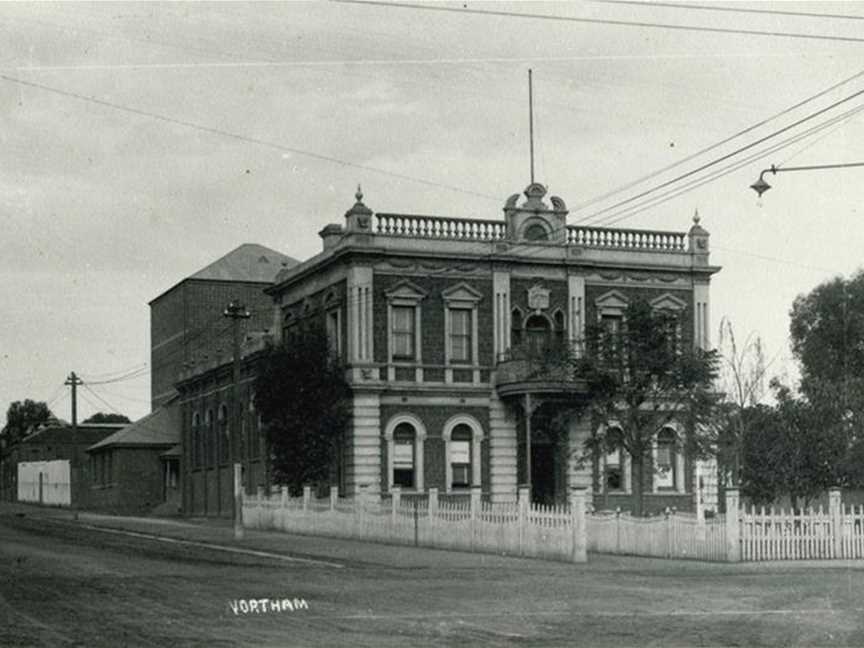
(236, 312)
(73, 381)
(74, 469)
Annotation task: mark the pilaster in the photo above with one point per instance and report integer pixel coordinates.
(502, 452)
(363, 473)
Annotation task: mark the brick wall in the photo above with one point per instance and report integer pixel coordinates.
(187, 323)
(434, 460)
(432, 316)
(645, 294)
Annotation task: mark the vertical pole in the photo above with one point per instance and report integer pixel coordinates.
(236, 312)
(528, 442)
(334, 497)
(579, 525)
(238, 501)
(531, 121)
(523, 517)
(733, 527)
(416, 525)
(836, 512)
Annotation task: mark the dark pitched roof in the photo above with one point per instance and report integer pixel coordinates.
(159, 428)
(249, 262)
(87, 434)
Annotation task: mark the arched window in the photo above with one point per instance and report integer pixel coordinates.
(224, 433)
(538, 334)
(197, 454)
(462, 438)
(405, 435)
(404, 456)
(615, 464)
(535, 232)
(460, 456)
(209, 442)
(516, 328)
(666, 460)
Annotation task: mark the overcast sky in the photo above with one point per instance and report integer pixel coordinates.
(140, 142)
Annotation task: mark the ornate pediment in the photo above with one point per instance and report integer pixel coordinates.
(612, 301)
(668, 302)
(462, 293)
(405, 291)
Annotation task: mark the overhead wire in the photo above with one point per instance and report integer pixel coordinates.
(757, 125)
(722, 158)
(603, 21)
(721, 8)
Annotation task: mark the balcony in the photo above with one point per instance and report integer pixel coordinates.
(554, 371)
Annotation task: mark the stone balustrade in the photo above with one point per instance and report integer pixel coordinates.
(601, 237)
(438, 227)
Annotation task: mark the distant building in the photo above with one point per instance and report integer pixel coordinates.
(186, 321)
(136, 469)
(56, 440)
(434, 317)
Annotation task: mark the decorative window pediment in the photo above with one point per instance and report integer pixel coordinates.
(613, 302)
(668, 302)
(461, 295)
(405, 292)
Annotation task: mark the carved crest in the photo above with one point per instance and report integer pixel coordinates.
(538, 298)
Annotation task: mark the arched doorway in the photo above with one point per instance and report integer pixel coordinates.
(538, 335)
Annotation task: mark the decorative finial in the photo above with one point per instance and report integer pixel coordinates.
(696, 217)
(359, 194)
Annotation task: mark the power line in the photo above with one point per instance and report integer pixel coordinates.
(245, 138)
(698, 182)
(722, 158)
(102, 400)
(684, 160)
(604, 21)
(713, 7)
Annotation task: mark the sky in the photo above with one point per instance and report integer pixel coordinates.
(140, 142)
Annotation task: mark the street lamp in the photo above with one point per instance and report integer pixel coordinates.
(760, 186)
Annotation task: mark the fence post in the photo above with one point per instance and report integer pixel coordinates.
(700, 506)
(395, 500)
(836, 512)
(617, 529)
(579, 525)
(307, 497)
(433, 503)
(668, 524)
(475, 512)
(733, 526)
(523, 517)
(334, 497)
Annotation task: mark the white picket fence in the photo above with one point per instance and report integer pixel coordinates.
(671, 535)
(519, 529)
(779, 534)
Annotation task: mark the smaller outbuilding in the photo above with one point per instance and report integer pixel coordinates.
(136, 470)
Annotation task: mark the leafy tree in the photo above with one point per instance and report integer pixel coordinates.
(102, 417)
(789, 450)
(302, 395)
(645, 374)
(20, 416)
(827, 331)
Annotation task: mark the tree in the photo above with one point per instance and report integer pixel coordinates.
(645, 375)
(302, 395)
(741, 381)
(102, 417)
(827, 331)
(22, 415)
(789, 450)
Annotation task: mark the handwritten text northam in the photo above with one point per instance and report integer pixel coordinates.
(264, 605)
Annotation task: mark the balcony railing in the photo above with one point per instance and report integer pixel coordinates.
(467, 229)
(557, 366)
(438, 227)
(601, 237)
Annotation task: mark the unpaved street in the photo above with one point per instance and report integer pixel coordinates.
(65, 585)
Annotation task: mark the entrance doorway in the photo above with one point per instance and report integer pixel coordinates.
(543, 473)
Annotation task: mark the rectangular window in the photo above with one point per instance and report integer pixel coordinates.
(460, 460)
(403, 332)
(460, 335)
(403, 463)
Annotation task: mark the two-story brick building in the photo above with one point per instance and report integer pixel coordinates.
(430, 314)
